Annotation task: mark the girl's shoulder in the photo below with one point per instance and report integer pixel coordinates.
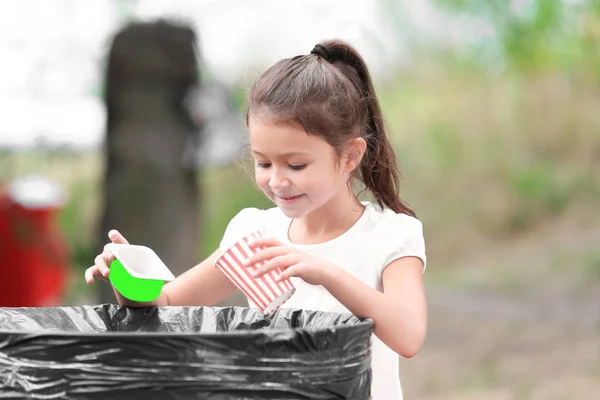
(393, 235)
(384, 222)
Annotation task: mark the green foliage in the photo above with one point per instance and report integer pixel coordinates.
(541, 35)
(591, 264)
(538, 192)
(444, 146)
(499, 10)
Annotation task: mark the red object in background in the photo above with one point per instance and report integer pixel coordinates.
(34, 255)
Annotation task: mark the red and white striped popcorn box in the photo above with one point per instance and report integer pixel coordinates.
(264, 291)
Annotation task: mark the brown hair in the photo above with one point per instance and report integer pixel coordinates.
(329, 92)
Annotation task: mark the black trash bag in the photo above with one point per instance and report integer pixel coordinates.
(113, 352)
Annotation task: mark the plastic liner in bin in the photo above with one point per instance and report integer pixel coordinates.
(113, 352)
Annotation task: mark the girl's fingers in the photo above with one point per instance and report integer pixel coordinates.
(101, 265)
(283, 262)
(266, 254)
(89, 275)
(107, 255)
(116, 237)
(264, 242)
(92, 273)
(294, 270)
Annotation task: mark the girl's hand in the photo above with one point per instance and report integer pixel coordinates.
(293, 261)
(101, 267)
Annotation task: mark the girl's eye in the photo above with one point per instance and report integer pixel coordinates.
(263, 165)
(298, 167)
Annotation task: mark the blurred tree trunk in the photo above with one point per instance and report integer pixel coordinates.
(150, 195)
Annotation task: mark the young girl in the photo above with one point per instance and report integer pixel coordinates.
(315, 125)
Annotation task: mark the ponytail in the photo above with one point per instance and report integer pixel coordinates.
(379, 167)
(329, 92)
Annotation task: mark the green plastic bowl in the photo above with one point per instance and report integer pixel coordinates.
(132, 288)
(137, 272)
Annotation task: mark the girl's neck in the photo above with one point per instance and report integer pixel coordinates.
(327, 222)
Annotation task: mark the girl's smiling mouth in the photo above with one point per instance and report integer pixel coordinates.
(288, 199)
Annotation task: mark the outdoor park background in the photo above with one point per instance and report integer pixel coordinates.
(494, 110)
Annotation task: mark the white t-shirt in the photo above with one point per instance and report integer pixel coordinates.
(379, 237)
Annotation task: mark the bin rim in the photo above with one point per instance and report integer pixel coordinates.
(362, 323)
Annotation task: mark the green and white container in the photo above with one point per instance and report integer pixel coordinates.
(137, 272)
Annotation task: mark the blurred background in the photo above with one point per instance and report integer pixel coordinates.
(129, 115)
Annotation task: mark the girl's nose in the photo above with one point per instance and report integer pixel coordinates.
(278, 180)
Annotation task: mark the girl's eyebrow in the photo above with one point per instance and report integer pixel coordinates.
(288, 154)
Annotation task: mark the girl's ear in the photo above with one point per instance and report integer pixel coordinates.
(356, 151)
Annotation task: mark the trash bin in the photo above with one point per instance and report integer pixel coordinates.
(34, 253)
(113, 352)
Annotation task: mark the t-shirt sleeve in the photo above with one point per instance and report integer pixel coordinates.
(245, 222)
(404, 239)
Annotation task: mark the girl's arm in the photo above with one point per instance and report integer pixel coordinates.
(399, 313)
(202, 285)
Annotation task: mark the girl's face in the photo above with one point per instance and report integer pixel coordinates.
(298, 172)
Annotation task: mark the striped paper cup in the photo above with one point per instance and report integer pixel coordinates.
(265, 292)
